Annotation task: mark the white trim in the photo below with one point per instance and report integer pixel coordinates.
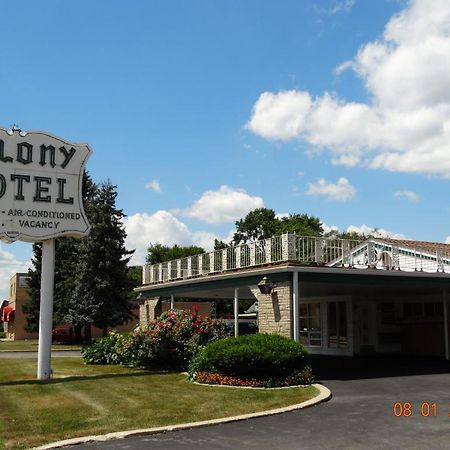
(295, 307)
(236, 312)
(444, 299)
(324, 349)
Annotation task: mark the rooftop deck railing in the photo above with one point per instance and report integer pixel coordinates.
(305, 250)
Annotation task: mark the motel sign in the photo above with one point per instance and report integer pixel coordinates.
(41, 179)
(40, 186)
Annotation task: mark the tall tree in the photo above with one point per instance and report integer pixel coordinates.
(93, 285)
(66, 258)
(301, 224)
(158, 253)
(103, 287)
(262, 223)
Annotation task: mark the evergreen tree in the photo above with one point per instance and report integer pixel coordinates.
(93, 285)
(66, 257)
(102, 295)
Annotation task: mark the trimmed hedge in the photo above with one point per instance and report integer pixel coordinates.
(256, 357)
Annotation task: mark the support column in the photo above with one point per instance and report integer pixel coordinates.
(444, 299)
(236, 312)
(172, 302)
(295, 307)
(44, 370)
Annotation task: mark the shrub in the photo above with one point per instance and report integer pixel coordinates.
(267, 358)
(102, 351)
(171, 340)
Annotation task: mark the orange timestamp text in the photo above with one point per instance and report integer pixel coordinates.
(408, 409)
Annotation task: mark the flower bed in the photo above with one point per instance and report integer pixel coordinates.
(299, 378)
(263, 360)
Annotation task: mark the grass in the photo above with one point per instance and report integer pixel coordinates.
(84, 400)
(31, 345)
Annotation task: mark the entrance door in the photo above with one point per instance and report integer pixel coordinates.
(310, 324)
(337, 325)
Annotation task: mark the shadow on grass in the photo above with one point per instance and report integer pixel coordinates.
(145, 372)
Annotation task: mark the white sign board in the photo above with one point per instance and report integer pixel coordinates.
(40, 186)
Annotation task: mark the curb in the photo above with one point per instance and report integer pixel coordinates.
(324, 395)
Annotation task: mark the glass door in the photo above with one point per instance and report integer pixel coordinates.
(337, 325)
(310, 324)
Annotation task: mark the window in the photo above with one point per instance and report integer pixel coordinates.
(310, 324)
(412, 310)
(420, 310)
(337, 325)
(435, 309)
(23, 281)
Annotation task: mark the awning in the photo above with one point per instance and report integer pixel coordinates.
(7, 314)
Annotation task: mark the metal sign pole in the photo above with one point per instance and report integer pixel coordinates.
(44, 370)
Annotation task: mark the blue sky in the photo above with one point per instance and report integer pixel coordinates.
(200, 111)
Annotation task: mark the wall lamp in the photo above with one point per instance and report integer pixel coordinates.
(266, 286)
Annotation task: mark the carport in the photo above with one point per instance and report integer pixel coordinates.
(332, 310)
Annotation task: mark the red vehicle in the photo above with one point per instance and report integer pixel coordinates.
(62, 335)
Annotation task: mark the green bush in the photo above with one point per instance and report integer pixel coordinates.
(259, 357)
(106, 350)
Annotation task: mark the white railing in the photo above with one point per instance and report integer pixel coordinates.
(306, 250)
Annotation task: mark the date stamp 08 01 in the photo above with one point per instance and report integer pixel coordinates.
(424, 409)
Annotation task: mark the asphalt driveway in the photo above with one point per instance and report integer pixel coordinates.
(359, 416)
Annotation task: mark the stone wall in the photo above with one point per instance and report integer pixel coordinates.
(149, 309)
(275, 310)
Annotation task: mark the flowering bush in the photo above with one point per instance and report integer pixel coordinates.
(171, 340)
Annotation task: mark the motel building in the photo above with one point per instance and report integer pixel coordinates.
(337, 297)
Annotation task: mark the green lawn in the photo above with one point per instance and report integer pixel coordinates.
(85, 400)
(31, 345)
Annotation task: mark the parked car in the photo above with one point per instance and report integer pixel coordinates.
(244, 327)
(62, 335)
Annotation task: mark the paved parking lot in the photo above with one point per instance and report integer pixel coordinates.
(359, 416)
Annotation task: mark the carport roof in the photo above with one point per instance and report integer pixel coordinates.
(222, 285)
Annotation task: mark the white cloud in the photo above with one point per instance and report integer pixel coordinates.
(143, 229)
(226, 204)
(408, 195)
(9, 265)
(447, 241)
(376, 232)
(340, 6)
(406, 125)
(343, 67)
(341, 191)
(280, 116)
(329, 228)
(154, 185)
